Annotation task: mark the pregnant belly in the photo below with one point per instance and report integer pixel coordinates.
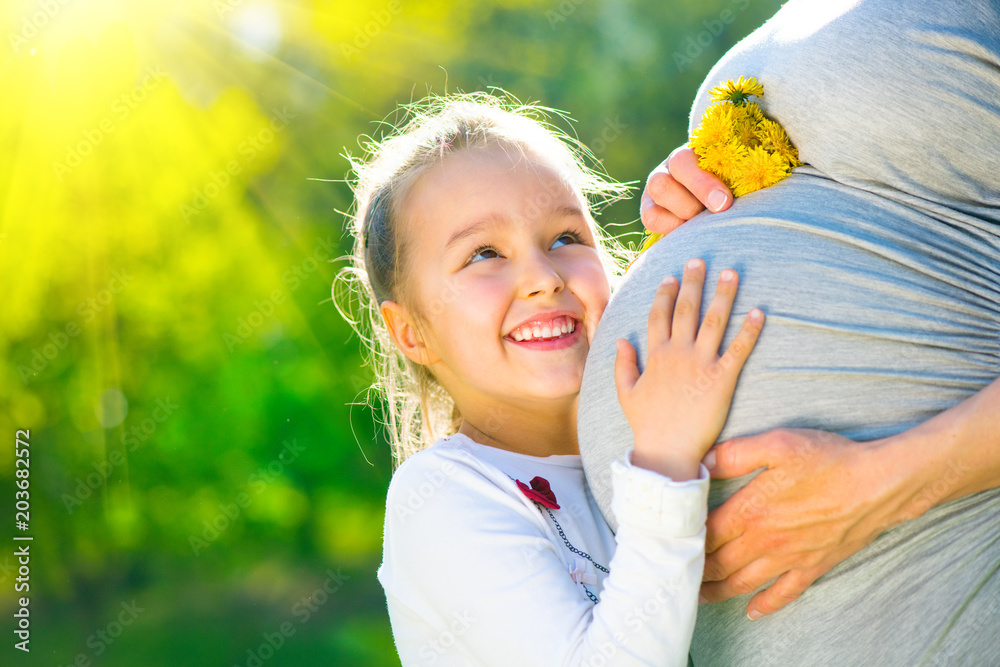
(879, 316)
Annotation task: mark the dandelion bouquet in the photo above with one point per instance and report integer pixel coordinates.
(735, 141)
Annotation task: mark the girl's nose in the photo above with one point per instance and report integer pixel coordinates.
(540, 277)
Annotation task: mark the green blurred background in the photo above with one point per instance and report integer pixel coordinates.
(207, 483)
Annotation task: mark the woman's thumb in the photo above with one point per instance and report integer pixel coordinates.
(738, 456)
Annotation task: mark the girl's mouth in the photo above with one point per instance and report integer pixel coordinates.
(563, 332)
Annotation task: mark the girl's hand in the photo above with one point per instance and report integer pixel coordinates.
(677, 190)
(678, 406)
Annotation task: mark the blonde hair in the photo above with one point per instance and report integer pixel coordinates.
(416, 408)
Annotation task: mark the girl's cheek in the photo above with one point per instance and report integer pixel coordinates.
(600, 282)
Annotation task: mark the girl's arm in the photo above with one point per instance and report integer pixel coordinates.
(471, 574)
(824, 497)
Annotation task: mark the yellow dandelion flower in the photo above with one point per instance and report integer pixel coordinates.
(773, 138)
(792, 157)
(738, 92)
(735, 141)
(651, 238)
(716, 127)
(722, 160)
(753, 112)
(757, 170)
(745, 132)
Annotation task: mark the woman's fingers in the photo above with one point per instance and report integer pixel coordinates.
(664, 191)
(688, 305)
(717, 315)
(725, 560)
(657, 219)
(677, 190)
(745, 580)
(785, 590)
(704, 187)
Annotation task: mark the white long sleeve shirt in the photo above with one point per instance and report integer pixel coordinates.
(476, 573)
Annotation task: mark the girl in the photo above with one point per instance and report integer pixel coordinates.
(484, 275)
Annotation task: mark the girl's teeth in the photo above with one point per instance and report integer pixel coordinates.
(555, 330)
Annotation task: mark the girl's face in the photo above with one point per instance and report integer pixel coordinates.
(505, 277)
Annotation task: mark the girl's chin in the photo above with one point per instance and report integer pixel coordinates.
(553, 388)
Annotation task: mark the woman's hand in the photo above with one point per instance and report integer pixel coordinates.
(679, 404)
(821, 498)
(677, 190)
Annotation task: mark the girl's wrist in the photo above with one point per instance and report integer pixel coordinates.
(675, 463)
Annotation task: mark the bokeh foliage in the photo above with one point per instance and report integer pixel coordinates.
(166, 326)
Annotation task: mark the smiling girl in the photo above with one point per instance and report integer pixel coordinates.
(484, 275)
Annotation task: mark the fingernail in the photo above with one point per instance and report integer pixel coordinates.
(709, 459)
(693, 263)
(754, 615)
(667, 281)
(702, 599)
(756, 315)
(716, 200)
(645, 203)
(728, 275)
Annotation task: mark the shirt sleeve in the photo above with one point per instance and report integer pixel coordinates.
(471, 576)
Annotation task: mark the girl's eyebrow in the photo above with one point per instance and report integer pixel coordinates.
(568, 212)
(492, 221)
(496, 222)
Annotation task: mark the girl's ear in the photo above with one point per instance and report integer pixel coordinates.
(405, 334)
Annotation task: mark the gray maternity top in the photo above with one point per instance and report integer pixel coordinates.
(878, 266)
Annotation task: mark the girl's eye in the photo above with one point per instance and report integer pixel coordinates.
(484, 252)
(572, 237)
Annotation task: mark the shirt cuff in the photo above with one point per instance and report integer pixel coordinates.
(650, 501)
